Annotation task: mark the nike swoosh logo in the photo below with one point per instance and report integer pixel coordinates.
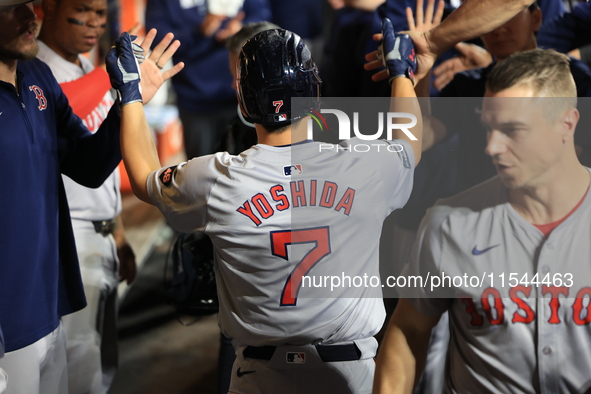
(241, 374)
(477, 252)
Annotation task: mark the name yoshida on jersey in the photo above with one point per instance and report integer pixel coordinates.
(270, 226)
(299, 194)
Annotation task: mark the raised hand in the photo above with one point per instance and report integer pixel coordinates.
(471, 56)
(418, 26)
(153, 74)
(123, 69)
(211, 23)
(232, 27)
(425, 21)
(397, 53)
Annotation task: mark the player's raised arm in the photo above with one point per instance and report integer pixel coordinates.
(472, 19)
(397, 54)
(401, 357)
(137, 145)
(433, 131)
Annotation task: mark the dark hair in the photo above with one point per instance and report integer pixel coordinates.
(281, 127)
(534, 6)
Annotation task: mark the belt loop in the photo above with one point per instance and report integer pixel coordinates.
(105, 227)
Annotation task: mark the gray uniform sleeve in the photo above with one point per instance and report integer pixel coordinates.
(395, 162)
(425, 261)
(181, 192)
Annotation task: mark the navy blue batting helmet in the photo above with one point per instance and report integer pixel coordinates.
(276, 65)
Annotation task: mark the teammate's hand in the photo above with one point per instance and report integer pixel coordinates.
(123, 69)
(211, 23)
(425, 21)
(135, 29)
(127, 264)
(153, 73)
(575, 53)
(397, 53)
(231, 28)
(471, 56)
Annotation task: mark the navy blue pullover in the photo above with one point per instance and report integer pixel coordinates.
(40, 138)
(569, 31)
(205, 82)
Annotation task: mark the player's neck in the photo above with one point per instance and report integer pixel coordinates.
(49, 40)
(551, 201)
(287, 137)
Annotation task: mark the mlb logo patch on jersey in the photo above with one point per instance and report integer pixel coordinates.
(292, 169)
(295, 358)
(166, 176)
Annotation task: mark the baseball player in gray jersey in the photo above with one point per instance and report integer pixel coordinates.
(525, 331)
(273, 220)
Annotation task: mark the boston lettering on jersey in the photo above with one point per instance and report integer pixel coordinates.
(494, 306)
(311, 193)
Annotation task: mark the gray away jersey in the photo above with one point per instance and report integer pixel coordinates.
(516, 334)
(275, 214)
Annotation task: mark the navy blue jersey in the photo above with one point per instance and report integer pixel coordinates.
(551, 9)
(571, 30)
(303, 17)
(205, 84)
(41, 138)
(343, 74)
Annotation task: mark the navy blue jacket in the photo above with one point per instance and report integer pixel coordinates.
(551, 9)
(571, 30)
(303, 17)
(204, 84)
(40, 138)
(351, 39)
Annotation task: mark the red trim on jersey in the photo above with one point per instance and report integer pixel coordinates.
(86, 93)
(546, 229)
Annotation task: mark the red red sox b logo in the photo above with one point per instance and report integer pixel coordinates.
(39, 96)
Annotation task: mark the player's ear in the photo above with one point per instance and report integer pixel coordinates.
(49, 7)
(537, 19)
(569, 121)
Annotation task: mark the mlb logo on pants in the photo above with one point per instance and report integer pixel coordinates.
(295, 358)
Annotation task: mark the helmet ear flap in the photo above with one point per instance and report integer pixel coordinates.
(275, 65)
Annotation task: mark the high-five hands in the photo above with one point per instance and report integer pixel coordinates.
(470, 56)
(153, 74)
(419, 27)
(134, 75)
(123, 69)
(397, 53)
